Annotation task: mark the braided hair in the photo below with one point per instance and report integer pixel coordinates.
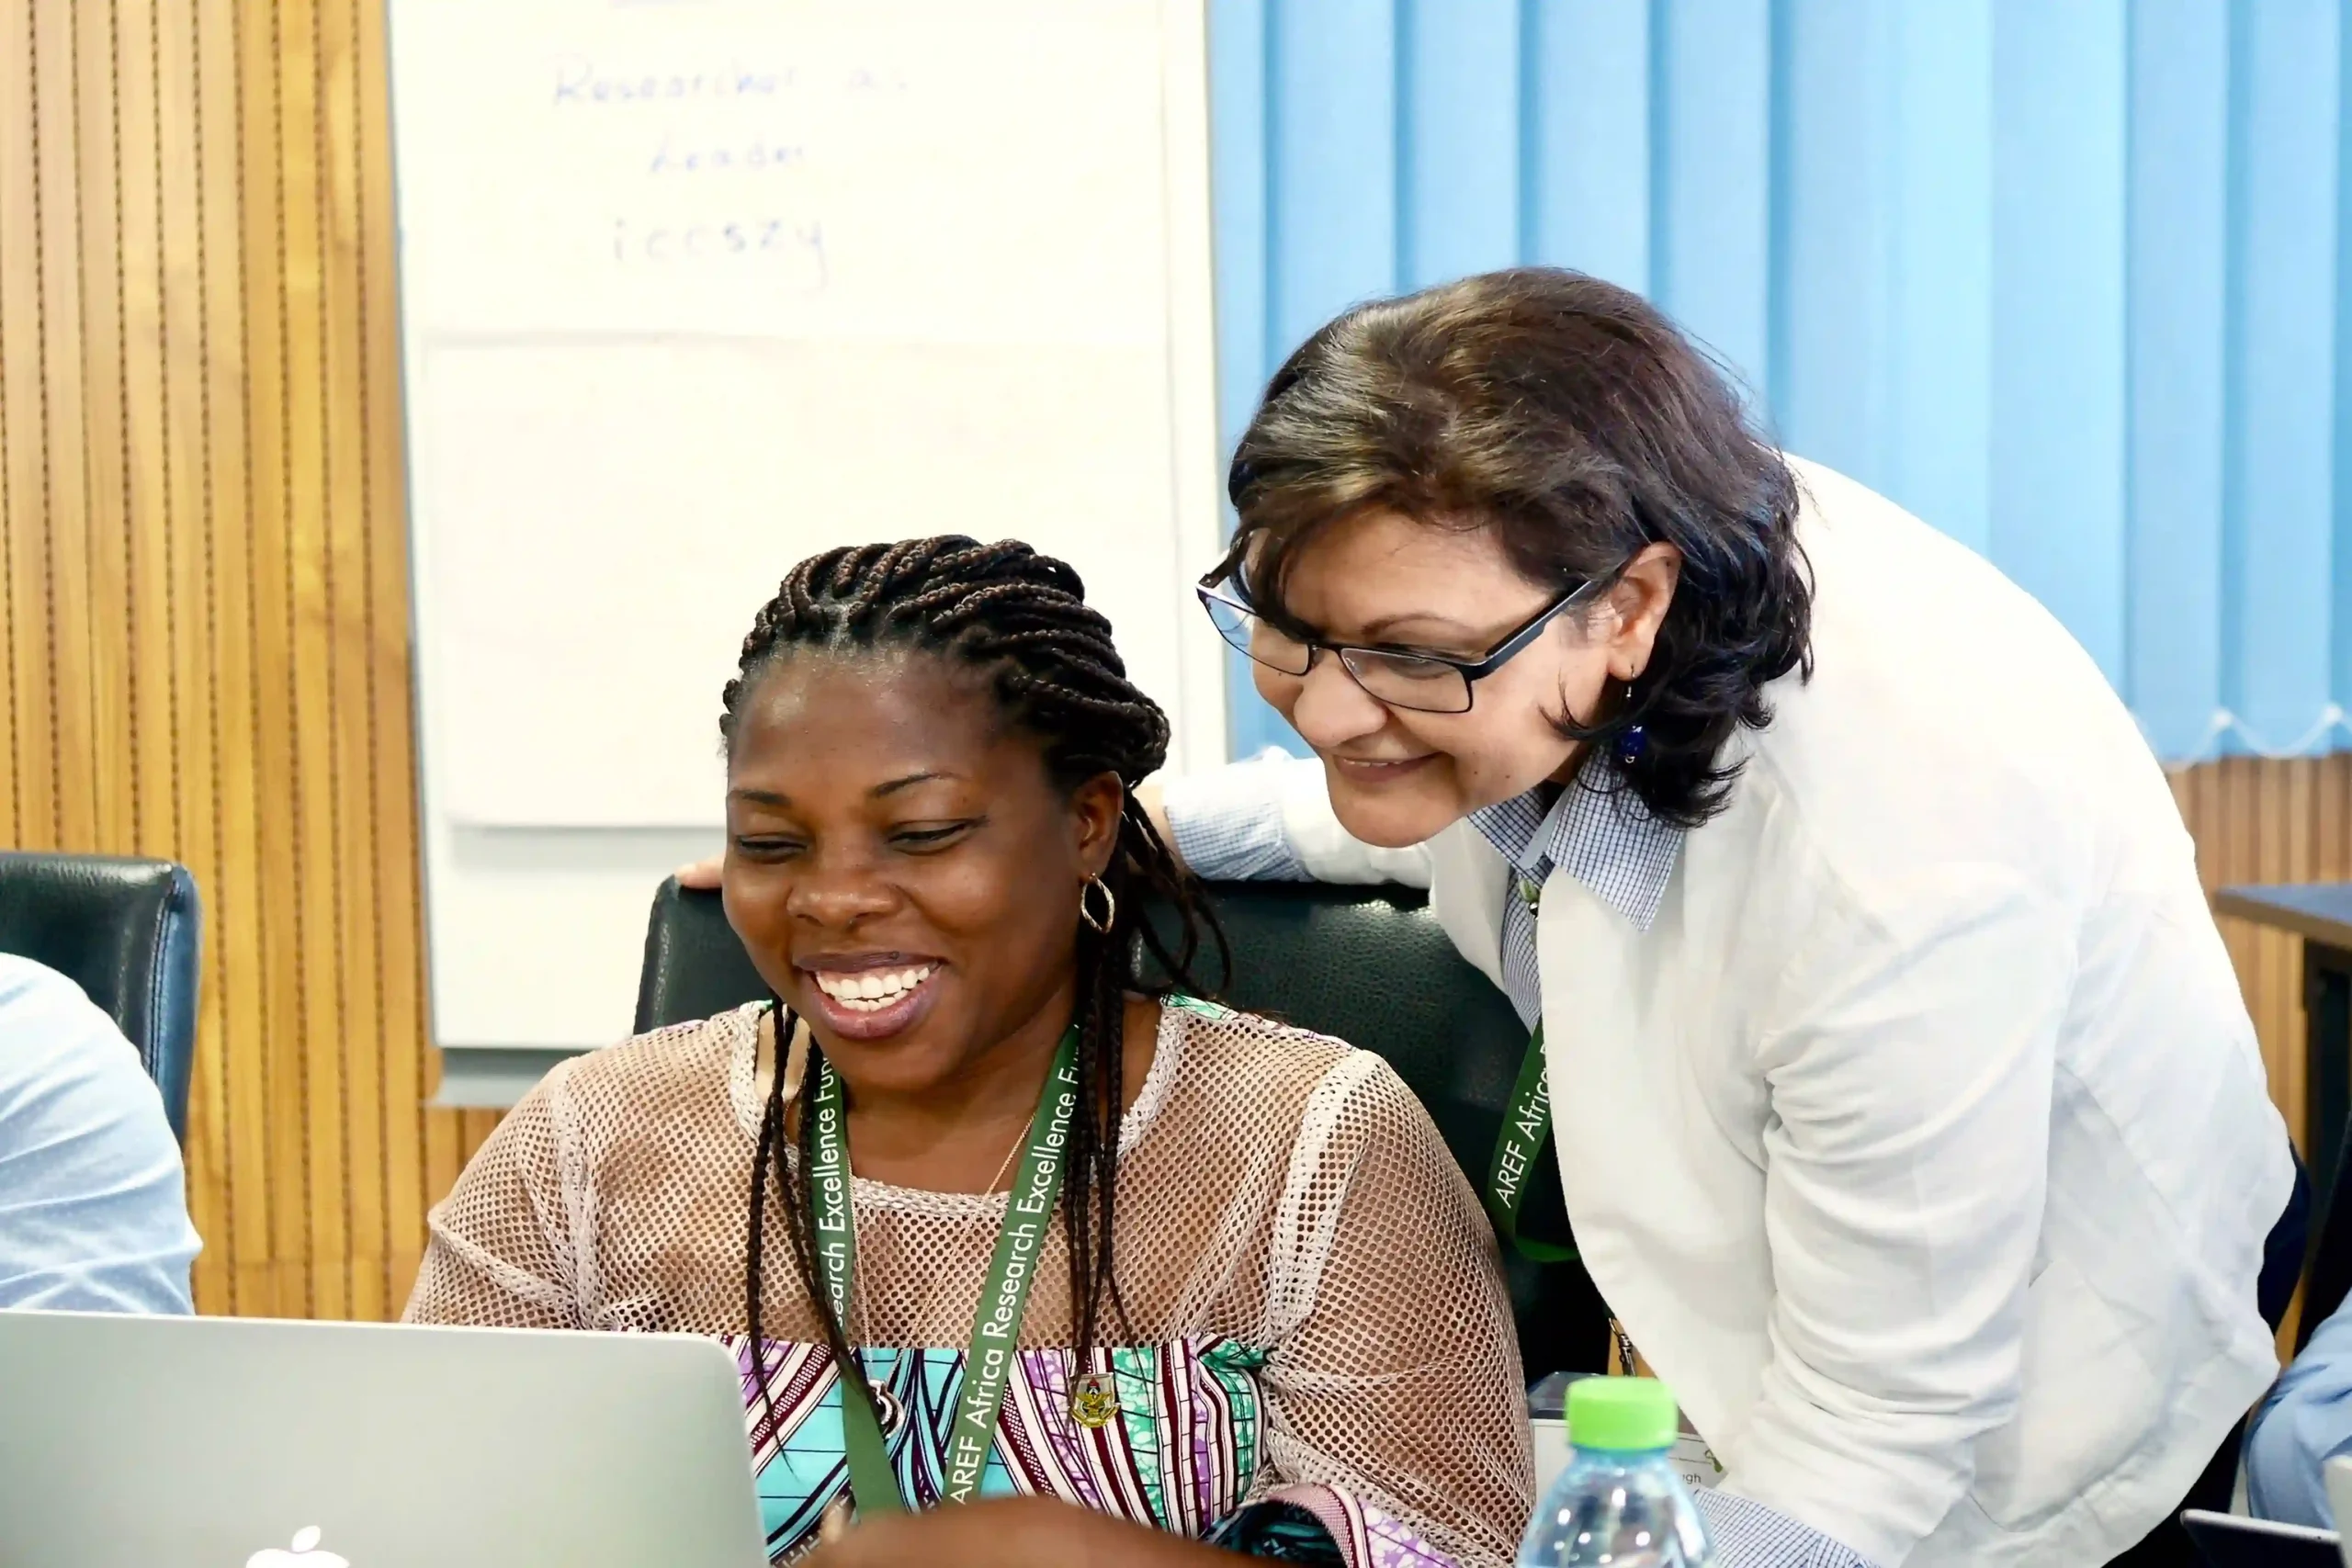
(1020, 618)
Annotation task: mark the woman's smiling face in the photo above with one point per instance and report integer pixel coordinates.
(900, 867)
(1380, 579)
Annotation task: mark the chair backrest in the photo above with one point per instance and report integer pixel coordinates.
(1368, 965)
(128, 933)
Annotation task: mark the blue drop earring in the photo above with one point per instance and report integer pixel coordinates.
(1633, 739)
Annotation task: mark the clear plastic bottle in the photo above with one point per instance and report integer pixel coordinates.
(1620, 1501)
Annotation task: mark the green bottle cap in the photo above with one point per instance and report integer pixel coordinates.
(1624, 1414)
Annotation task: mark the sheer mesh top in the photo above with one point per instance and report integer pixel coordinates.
(1276, 1188)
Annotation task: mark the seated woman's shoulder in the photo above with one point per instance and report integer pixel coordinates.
(1266, 1086)
(1259, 1061)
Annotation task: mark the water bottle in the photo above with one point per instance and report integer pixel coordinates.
(1620, 1501)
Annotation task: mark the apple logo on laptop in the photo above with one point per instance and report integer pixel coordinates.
(306, 1555)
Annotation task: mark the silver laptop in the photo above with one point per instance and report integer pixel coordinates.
(128, 1442)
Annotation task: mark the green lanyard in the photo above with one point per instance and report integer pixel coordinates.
(1519, 1148)
(996, 1323)
(1519, 1156)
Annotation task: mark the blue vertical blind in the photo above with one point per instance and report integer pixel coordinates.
(2063, 277)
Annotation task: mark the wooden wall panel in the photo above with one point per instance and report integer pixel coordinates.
(204, 584)
(2271, 821)
(204, 615)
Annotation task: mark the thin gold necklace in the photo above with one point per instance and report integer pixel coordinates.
(796, 1074)
(963, 1236)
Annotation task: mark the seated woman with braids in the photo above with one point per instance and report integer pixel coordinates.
(1268, 1318)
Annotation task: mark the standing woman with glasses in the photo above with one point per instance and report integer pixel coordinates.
(1904, 1107)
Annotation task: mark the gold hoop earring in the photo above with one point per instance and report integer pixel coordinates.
(1109, 906)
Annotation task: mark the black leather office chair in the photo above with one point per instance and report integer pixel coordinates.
(1369, 965)
(128, 933)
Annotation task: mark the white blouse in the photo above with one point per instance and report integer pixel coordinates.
(1921, 1140)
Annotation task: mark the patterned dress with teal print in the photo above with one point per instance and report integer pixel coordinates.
(1176, 1447)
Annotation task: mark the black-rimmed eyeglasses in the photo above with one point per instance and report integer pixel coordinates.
(1422, 682)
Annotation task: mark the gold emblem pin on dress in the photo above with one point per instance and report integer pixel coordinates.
(1093, 1399)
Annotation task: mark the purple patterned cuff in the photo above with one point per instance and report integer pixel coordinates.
(1367, 1535)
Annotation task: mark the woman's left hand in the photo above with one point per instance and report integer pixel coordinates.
(1009, 1532)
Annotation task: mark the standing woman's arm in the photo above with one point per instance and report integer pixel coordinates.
(1269, 819)
(1907, 1167)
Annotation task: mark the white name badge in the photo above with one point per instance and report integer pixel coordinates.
(1692, 1459)
(1695, 1462)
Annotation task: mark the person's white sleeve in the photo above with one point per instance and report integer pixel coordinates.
(1270, 819)
(2305, 1421)
(1906, 1165)
(92, 1196)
